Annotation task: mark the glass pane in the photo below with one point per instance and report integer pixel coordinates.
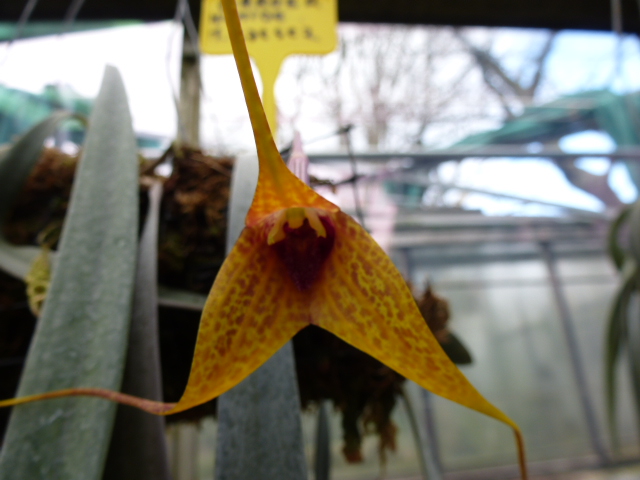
(505, 313)
(590, 284)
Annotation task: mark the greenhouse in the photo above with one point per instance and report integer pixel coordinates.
(319, 239)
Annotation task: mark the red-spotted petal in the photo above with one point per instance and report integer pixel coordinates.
(252, 311)
(362, 298)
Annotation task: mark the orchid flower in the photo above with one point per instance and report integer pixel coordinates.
(301, 261)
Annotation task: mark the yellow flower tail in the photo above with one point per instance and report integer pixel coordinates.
(301, 261)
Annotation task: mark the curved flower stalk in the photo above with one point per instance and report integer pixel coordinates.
(301, 261)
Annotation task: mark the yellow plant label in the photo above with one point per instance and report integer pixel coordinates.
(273, 30)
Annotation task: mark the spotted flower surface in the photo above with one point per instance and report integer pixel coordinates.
(300, 261)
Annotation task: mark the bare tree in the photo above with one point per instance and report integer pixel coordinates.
(517, 88)
(394, 82)
(408, 86)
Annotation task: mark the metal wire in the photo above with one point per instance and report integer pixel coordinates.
(24, 18)
(22, 22)
(71, 15)
(184, 16)
(354, 173)
(192, 30)
(616, 16)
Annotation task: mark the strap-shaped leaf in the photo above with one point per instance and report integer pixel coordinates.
(634, 231)
(178, 298)
(82, 333)
(19, 160)
(15, 165)
(633, 349)
(138, 448)
(616, 252)
(259, 420)
(616, 338)
(16, 260)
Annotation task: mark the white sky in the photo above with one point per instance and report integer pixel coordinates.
(148, 56)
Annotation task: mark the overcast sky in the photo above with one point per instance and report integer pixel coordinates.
(148, 58)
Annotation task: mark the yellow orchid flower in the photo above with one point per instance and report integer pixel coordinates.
(301, 261)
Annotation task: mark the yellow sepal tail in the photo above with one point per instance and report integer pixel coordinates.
(277, 187)
(365, 301)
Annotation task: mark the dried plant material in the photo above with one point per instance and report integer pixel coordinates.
(38, 280)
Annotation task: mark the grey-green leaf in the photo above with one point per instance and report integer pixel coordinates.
(17, 162)
(16, 260)
(82, 334)
(259, 425)
(178, 298)
(138, 448)
(15, 165)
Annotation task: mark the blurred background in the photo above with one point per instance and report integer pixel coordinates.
(488, 153)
